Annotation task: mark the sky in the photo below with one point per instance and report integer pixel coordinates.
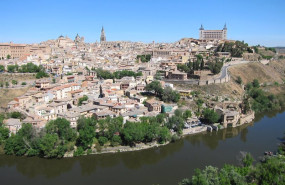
(32, 21)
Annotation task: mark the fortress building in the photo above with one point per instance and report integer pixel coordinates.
(213, 34)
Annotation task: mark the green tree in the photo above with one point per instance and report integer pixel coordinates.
(49, 146)
(144, 58)
(2, 68)
(176, 123)
(272, 171)
(210, 116)
(132, 133)
(8, 56)
(102, 140)
(187, 114)
(86, 129)
(215, 67)
(11, 68)
(199, 103)
(4, 134)
(82, 99)
(255, 83)
(24, 83)
(247, 160)
(62, 128)
(116, 140)
(14, 82)
(239, 80)
(169, 95)
(164, 135)
(20, 143)
(41, 74)
(156, 87)
(16, 115)
(114, 126)
(78, 152)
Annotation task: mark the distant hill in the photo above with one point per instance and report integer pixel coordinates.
(280, 49)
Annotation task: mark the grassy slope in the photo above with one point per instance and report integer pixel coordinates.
(19, 77)
(7, 95)
(264, 73)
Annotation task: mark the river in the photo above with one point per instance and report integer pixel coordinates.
(165, 165)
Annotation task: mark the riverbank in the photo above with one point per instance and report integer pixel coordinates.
(144, 146)
(140, 146)
(157, 164)
(117, 149)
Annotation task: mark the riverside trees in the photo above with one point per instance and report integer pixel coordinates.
(58, 138)
(53, 141)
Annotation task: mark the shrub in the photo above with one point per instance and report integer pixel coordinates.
(174, 138)
(116, 140)
(102, 140)
(78, 152)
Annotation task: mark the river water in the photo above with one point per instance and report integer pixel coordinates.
(163, 165)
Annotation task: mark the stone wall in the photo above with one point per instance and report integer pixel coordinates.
(247, 118)
(200, 82)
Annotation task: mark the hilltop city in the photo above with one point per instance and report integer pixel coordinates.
(73, 80)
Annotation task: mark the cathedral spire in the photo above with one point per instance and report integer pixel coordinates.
(103, 37)
(201, 28)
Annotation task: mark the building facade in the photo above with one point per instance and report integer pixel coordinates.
(13, 50)
(213, 34)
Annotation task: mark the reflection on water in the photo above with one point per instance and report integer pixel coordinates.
(212, 139)
(34, 166)
(160, 165)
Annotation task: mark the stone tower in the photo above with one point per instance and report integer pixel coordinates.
(103, 37)
(201, 31)
(225, 30)
(77, 38)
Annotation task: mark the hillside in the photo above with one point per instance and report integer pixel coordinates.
(266, 52)
(20, 77)
(274, 72)
(271, 74)
(7, 95)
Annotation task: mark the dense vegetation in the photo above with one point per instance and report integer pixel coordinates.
(2, 68)
(28, 68)
(214, 66)
(235, 48)
(118, 74)
(190, 67)
(58, 138)
(167, 94)
(144, 58)
(210, 116)
(53, 141)
(262, 101)
(271, 170)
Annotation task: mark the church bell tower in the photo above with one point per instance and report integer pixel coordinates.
(103, 37)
